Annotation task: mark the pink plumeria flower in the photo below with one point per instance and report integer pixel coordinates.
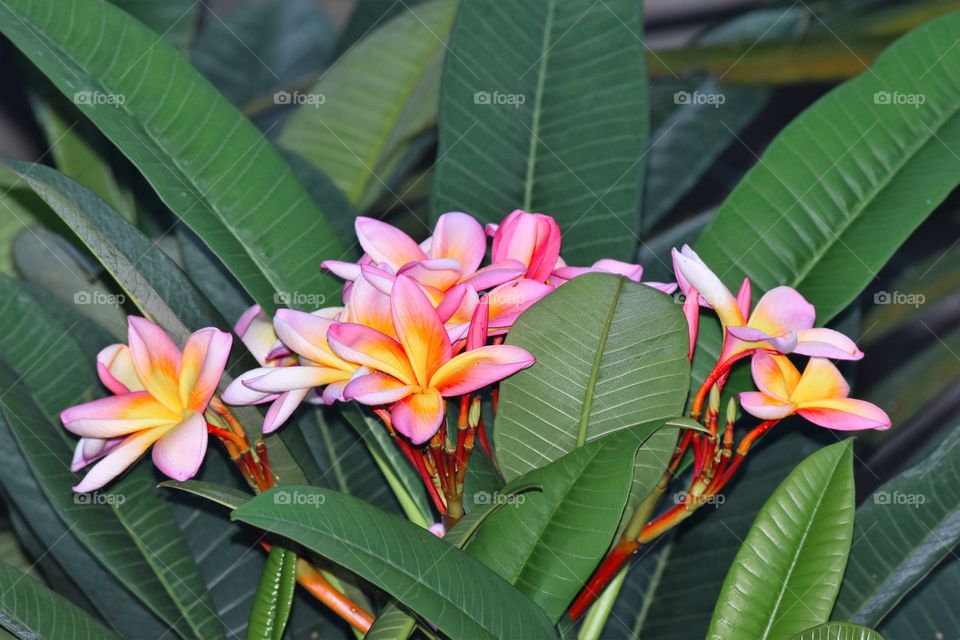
(305, 335)
(628, 270)
(782, 320)
(255, 330)
(819, 395)
(451, 256)
(533, 239)
(416, 371)
(161, 395)
(505, 303)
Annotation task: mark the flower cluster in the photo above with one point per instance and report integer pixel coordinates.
(415, 321)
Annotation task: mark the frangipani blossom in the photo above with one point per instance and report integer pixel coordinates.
(782, 320)
(161, 396)
(305, 334)
(533, 239)
(819, 394)
(417, 370)
(628, 270)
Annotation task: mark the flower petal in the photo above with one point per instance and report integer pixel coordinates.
(495, 274)
(283, 379)
(479, 325)
(368, 304)
(256, 332)
(743, 298)
(821, 379)
(90, 450)
(846, 414)
(156, 360)
(474, 369)
(780, 310)
(826, 343)
(376, 389)
(509, 300)
(532, 238)
(117, 461)
(775, 376)
(204, 359)
(765, 407)
(631, 271)
(691, 310)
(117, 415)
(115, 368)
(366, 346)
(418, 415)
(179, 452)
(238, 393)
(419, 329)
(349, 271)
(306, 334)
(459, 236)
(694, 272)
(440, 273)
(282, 408)
(386, 243)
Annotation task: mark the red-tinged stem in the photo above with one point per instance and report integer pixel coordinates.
(607, 570)
(482, 437)
(228, 436)
(719, 371)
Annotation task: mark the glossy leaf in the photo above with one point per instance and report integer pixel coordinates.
(786, 575)
(905, 529)
(558, 535)
(611, 354)
(544, 108)
(271, 604)
(930, 610)
(221, 494)
(370, 104)
(838, 631)
(393, 623)
(455, 592)
(30, 610)
(205, 161)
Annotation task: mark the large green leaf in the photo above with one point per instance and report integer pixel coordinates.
(786, 575)
(175, 20)
(30, 610)
(838, 631)
(844, 184)
(558, 535)
(375, 100)
(454, 591)
(206, 162)
(543, 108)
(905, 529)
(611, 354)
(931, 610)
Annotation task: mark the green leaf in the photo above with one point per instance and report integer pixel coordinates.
(543, 108)
(931, 610)
(175, 20)
(611, 354)
(132, 530)
(375, 100)
(221, 494)
(904, 530)
(786, 575)
(366, 16)
(547, 543)
(271, 604)
(457, 593)
(807, 215)
(393, 623)
(838, 631)
(212, 167)
(30, 610)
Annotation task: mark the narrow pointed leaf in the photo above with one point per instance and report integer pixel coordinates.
(838, 631)
(271, 604)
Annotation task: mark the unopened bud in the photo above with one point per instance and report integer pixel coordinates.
(473, 417)
(713, 404)
(731, 411)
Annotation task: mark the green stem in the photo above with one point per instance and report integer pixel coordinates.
(596, 618)
(407, 503)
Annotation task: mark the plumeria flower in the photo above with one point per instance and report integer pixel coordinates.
(630, 271)
(255, 330)
(782, 320)
(451, 256)
(819, 395)
(505, 304)
(414, 372)
(161, 395)
(304, 334)
(533, 239)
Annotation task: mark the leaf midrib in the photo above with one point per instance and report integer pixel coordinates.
(538, 106)
(595, 369)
